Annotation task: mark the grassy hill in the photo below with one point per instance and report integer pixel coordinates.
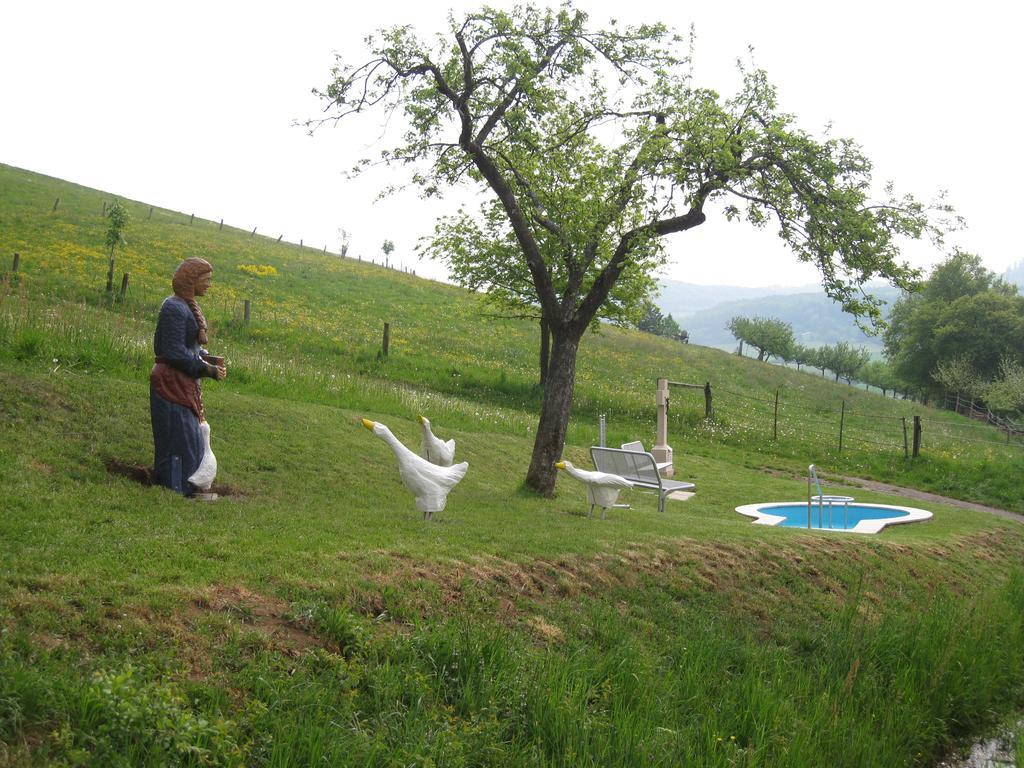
(310, 617)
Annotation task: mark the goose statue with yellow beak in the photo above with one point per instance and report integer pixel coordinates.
(434, 449)
(602, 488)
(429, 483)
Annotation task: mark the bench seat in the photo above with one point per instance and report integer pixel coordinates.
(639, 468)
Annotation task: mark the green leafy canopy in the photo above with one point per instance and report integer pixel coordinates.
(596, 144)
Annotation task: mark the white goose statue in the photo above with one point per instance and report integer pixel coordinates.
(602, 488)
(429, 483)
(205, 473)
(433, 449)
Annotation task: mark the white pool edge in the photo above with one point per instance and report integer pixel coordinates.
(912, 515)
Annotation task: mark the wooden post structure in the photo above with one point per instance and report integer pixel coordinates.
(775, 420)
(279, 238)
(253, 232)
(387, 337)
(56, 203)
(300, 242)
(16, 264)
(906, 450)
(842, 418)
(221, 225)
(124, 287)
(245, 311)
(191, 219)
(104, 211)
(917, 436)
(150, 212)
(709, 411)
(662, 451)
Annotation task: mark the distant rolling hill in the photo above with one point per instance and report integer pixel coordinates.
(704, 311)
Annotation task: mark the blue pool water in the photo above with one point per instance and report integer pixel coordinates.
(796, 515)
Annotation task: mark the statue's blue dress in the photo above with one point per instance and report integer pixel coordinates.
(175, 396)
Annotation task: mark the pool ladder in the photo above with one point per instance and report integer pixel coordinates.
(821, 498)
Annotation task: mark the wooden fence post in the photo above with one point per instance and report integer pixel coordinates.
(150, 212)
(253, 232)
(709, 411)
(917, 436)
(124, 287)
(221, 225)
(775, 422)
(246, 312)
(906, 450)
(842, 418)
(300, 242)
(17, 263)
(104, 211)
(387, 337)
(279, 238)
(56, 203)
(191, 219)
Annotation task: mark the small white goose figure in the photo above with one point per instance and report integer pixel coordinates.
(435, 450)
(205, 473)
(602, 488)
(428, 482)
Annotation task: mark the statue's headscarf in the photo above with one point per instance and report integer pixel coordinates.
(184, 283)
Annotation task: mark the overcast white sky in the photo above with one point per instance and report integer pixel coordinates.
(189, 105)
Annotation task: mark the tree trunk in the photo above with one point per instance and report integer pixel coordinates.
(554, 414)
(545, 351)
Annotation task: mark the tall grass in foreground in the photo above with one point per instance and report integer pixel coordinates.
(865, 686)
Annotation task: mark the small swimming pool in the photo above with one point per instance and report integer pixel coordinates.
(850, 517)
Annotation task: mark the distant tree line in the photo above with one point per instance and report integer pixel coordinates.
(961, 333)
(772, 337)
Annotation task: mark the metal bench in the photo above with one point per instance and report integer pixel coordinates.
(639, 468)
(638, 447)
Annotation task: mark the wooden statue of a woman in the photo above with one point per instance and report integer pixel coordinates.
(175, 394)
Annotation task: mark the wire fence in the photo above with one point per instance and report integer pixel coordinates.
(785, 419)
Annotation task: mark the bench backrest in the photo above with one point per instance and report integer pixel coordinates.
(628, 464)
(636, 446)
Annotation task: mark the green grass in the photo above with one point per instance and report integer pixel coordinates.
(318, 322)
(309, 616)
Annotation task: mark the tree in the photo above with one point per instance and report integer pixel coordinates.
(843, 360)
(652, 320)
(959, 376)
(803, 355)
(117, 223)
(962, 310)
(879, 373)
(660, 325)
(344, 240)
(594, 146)
(768, 335)
(741, 330)
(388, 247)
(1006, 393)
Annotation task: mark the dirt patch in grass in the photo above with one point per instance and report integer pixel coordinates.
(144, 476)
(266, 615)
